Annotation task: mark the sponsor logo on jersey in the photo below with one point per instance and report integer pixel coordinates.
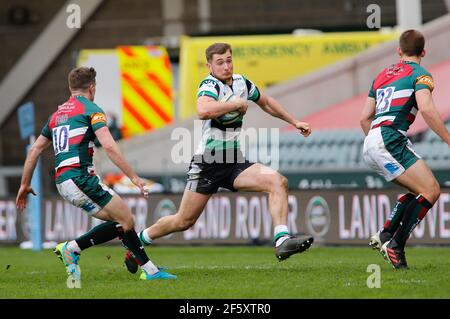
(209, 83)
(394, 70)
(98, 118)
(61, 119)
(426, 80)
(66, 107)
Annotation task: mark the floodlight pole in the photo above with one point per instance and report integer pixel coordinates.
(409, 14)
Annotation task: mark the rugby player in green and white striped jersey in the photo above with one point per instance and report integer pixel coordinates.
(218, 161)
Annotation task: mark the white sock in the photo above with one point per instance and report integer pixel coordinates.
(150, 268)
(145, 238)
(281, 229)
(73, 247)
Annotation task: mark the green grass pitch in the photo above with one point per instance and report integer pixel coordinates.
(228, 272)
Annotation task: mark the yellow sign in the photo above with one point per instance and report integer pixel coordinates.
(269, 59)
(146, 79)
(134, 83)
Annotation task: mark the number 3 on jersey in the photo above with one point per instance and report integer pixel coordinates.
(384, 98)
(61, 139)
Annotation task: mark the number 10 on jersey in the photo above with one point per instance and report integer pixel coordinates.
(61, 139)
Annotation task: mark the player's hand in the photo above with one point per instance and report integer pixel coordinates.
(22, 194)
(304, 128)
(241, 105)
(141, 185)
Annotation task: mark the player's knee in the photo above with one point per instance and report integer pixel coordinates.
(280, 183)
(284, 183)
(432, 192)
(127, 223)
(435, 192)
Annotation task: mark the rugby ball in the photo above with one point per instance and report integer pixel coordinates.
(229, 117)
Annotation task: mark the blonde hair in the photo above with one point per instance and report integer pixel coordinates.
(217, 48)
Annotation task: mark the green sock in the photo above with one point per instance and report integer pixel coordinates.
(392, 224)
(131, 241)
(145, 240)
(279, 235)
(98, 235)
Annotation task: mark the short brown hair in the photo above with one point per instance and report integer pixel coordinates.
(81, 78)
(412, 42)
(217, 48)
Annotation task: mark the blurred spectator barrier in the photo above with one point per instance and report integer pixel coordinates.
(342, 217)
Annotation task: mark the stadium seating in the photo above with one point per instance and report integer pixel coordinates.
(328, 148)
(341, 149)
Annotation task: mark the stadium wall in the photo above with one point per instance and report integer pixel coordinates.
(332, 217)
(301, 96)
(108, 27)
(343, 80)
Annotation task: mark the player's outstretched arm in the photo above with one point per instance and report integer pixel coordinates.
(112, 150)
(30, 163)
(271, 106)
(431, 115)
(367, 114)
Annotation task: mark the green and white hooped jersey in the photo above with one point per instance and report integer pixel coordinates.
(215, 134)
